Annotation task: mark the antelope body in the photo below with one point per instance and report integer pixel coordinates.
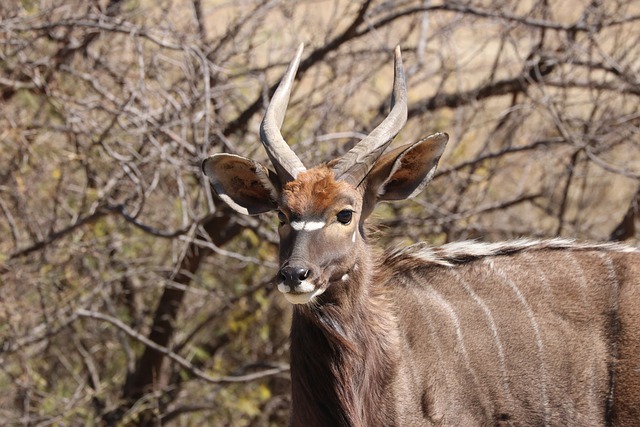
(523, 333)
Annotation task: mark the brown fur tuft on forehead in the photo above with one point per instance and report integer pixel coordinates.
(315, 191)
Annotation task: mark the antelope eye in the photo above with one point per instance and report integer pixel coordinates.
(344, 217)
(282, 217)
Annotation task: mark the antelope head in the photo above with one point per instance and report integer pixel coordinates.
(322, 209)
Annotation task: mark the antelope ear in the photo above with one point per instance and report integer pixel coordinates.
(245, 185)
(404, 172)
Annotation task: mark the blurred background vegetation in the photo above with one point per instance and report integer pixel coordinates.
(129, 295)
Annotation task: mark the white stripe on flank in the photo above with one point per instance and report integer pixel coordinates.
(494, 332)
(536, 330)
(307, 225)
(582, 284)
(582, 279)
(448, 308)
(540, 273)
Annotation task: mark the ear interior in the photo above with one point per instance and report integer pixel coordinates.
(404, 172)
(245, 185)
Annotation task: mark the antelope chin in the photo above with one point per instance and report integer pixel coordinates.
(299, 297)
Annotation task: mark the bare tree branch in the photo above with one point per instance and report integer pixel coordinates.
(179, 359)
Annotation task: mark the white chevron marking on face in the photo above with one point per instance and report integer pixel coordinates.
(307, 225)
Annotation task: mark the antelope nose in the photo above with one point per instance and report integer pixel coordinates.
(293, 276)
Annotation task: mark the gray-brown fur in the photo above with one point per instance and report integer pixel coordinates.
(522, 333)
(529, 334)
(541, 334)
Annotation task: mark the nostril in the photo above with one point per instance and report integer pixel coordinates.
(293, 276)
(303, 274)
